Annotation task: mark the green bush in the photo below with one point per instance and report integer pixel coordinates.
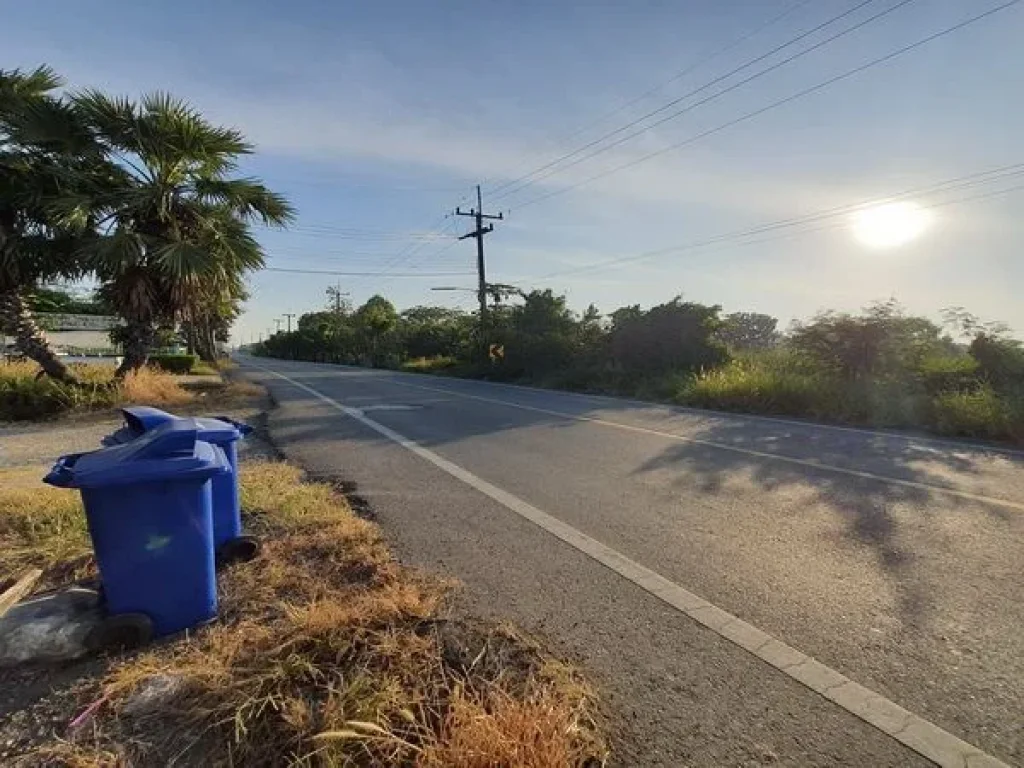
(26, 398)
(773, 383)
(981, 413)
(174, 363)
(937, 374)
(881, 402)
(1000, 360)
(1015, 415)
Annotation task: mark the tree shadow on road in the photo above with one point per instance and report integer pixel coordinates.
(895, 521)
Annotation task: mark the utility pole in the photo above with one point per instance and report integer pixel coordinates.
(289, 315)
(481, 275)
(336, 293)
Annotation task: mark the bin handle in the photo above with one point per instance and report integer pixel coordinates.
(243, 428)
(62, 474)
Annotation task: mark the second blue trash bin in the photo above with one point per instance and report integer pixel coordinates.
(149, 508)
(225, 433)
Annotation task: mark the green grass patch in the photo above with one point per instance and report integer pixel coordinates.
(203, 368)
(176, 363)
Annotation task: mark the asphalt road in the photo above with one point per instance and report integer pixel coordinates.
(897, 562)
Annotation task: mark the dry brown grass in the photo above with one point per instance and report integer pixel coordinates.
(150, 386)
(330, 653)
(41, 527)
(501, 729)
(17, 369)
(24, 397)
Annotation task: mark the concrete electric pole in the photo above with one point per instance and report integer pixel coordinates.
(481, 273)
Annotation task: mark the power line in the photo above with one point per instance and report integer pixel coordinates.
(313, 251)
(500, 194)
(960, 182)
(356, 232)
(326, 234)
(362, 184)
(833, 225)
(407, 252)
(678, 76)
(298, 271)
(791, 9)
(841, 224)
(780, 102)
(405, 257)
(730, 238)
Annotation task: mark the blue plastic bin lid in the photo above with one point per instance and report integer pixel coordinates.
(170, 451)
(140, 419)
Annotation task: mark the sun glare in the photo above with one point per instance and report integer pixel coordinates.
(890, 225)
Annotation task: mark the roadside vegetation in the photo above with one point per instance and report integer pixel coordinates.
(880, 367)
(327, 652)
(140, 197)
(25, 395)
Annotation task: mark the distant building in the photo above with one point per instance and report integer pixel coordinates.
(80, 333)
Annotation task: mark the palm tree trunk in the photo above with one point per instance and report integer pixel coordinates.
(138, 340)
(205, 346)
(16, 319)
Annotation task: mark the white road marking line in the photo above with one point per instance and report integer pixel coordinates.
(1019, 506)
(918, 734)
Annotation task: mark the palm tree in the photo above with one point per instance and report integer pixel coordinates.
(211, 312)
(174, 228)
(45, 151)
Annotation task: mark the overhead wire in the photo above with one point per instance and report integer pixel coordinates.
(790, 9)
(778, 103)
(503, 191)
(301, 271)
(365, 236)
(404, 256)
(957, 183)
(837, 225)
(407, 257)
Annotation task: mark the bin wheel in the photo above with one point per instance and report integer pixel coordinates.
(123, 631)
(238, 550)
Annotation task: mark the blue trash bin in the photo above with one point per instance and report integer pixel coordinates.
(149, 507)
(225, 433)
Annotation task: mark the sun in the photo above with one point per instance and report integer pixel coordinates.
(890, 225)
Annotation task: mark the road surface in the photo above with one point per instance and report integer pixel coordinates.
(745, 591)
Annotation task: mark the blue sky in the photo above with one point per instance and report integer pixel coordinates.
(380, 117)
